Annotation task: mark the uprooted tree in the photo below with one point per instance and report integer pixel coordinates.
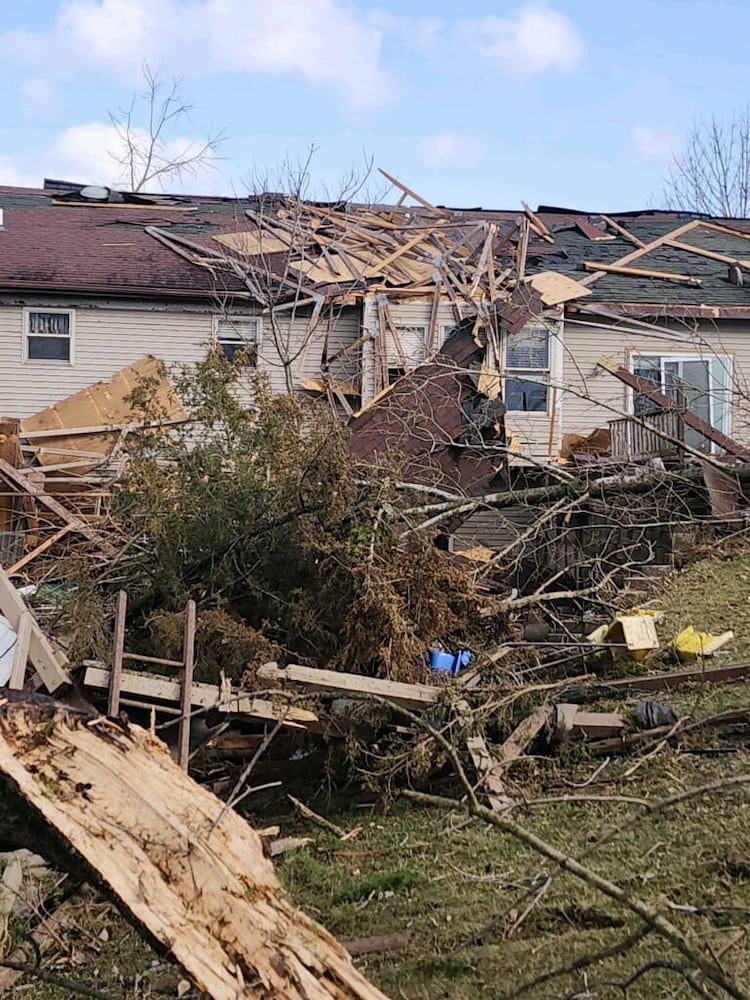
(261, 515)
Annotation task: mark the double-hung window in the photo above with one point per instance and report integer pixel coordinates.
(527, 370)
(701, 384)
(48, 335)
(237, 338)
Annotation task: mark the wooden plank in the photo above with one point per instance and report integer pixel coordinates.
(642, 251)
(156, 687)
(526, 731)
(537, 223)
(21, 652)
(118, 647)
(10, 452)
(638, 272)
(32, 489)
(572, 721)
(51, 666)
(412, 194)
(37, 551)
(406, 695)
(190, 871)
(677, 678)
(625, 233)
(34, 435)
(188, 652)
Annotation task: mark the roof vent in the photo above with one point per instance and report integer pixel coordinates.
(92, 192)
(735, 274)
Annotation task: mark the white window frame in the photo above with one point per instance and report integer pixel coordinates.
(726, 361)
(238, 318)
(543, 375)
(70, 313)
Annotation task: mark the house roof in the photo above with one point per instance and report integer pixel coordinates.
(55, 239)
(48, 245)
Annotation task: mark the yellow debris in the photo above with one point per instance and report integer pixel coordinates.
(691, 644)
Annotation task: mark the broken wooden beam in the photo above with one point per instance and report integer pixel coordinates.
(51, 666)
(189, 871)
(157, 687)
(354, 685)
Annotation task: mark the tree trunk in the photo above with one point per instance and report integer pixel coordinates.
(108, 799)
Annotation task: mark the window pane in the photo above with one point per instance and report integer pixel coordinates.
(238, 329)
(650, 370)
(528, 349)
(240, 351)
(49, 348)
(413, 342)
(527, 396)
(53, 324)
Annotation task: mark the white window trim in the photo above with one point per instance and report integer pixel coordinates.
(726, 359)
(238, 318)
(554, 362)
(26, 334)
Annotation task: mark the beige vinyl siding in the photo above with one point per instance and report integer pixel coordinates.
(104, 340)
(592, 397)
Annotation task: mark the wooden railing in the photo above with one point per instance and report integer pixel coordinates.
(637, 437)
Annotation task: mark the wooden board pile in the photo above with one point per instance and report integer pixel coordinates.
(293, 254)
(58, 466)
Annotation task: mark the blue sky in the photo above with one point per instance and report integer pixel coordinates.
(565, 102)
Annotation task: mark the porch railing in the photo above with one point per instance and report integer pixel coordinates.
(637, 437)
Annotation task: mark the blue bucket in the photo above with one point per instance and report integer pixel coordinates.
(450, 663)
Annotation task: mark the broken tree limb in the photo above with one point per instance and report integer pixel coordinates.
(325, 824)
(147, 831)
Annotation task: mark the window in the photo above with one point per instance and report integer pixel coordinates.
(238, 339)
(412, 341)
(527, 370)
(48, 335)
(703, 385)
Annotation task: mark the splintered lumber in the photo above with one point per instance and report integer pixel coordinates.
(407, 695)
(50, 665)
(190, 872)
(157, 687)
(638, 272)
(487, 768)
(26, 485)
(526, 731)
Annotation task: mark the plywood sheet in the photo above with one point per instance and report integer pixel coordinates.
(556, 288)
(101, 405)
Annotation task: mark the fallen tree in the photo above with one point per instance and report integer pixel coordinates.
(106, 798)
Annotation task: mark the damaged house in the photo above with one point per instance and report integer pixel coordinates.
(344, 301)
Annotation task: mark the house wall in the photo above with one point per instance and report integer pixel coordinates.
(108, 335)
(591, 397)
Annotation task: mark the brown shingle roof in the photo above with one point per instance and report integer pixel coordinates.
(98, 249)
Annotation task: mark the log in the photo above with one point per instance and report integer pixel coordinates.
(191, 874)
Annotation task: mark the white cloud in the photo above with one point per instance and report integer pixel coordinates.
(443, 149)
(533, 39)
(11, 175)
(655, 142)
(326, 42)
(92, 152)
